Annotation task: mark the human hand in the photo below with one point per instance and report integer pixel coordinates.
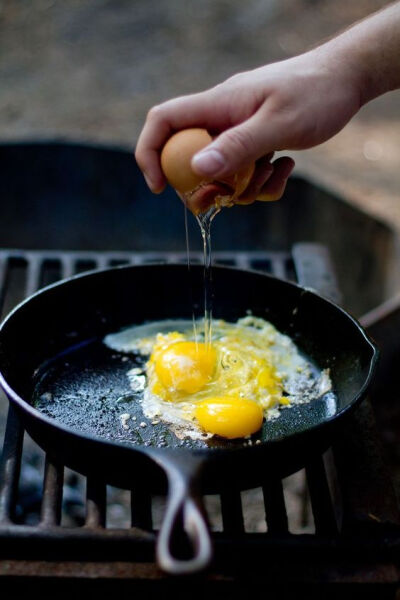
(291, 105)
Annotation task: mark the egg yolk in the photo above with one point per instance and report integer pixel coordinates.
(185, 366)
(268, 379)
(229, 416)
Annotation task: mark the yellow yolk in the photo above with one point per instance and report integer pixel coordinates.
(229, 416)
(268, 379)
(185, 366)
(251, 371)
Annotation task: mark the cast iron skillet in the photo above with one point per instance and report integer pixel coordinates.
(36, 361)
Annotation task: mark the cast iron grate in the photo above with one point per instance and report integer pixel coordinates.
(353, 506)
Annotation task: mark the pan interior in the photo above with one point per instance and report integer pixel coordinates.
(52, 356)
(87, 389)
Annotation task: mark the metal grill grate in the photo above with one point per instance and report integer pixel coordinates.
(353, 507)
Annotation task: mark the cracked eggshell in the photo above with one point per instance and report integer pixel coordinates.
(176, 158)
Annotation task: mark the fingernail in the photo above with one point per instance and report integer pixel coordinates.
(209, 162)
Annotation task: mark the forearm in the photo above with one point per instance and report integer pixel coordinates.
(294, 104)
(370, 52)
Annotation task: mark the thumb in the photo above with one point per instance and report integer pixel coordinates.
(236, 147)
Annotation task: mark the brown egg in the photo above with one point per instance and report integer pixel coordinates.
(176, 159)
(177, 155)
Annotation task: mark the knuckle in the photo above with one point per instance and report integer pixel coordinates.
(233, 80)
(240, 140)
(230, 85)
(236, 79)
(279, 105)
(155, 113)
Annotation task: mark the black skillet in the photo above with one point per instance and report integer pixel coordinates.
(51, 353)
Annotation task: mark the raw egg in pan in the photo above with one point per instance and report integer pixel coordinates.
(247, 375)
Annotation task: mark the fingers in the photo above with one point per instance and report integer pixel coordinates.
(203, 198)
(247, 142)
(239, 145)
(269, 180)
(199, 110)
(268, 183)
(274, 188)
(262, 173)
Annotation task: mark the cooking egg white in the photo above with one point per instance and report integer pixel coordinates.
(250, 365)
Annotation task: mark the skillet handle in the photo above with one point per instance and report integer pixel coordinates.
(184, 510)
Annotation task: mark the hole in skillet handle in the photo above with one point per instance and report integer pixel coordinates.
(184, 528)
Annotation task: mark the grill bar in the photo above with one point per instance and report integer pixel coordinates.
(232, 512)
(67, 266)
(84, 543)
(33, 276)
(10, 466)
(278, 267)
(141, 515)
(321, 502)
(102, 262)
(314, 269)
(274, 502)
(361, 496)
(278, 263)
(96, 501)
(52, 494)
(3, 274)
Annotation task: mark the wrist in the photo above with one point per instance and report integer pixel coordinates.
(356, 68)
(334, 62)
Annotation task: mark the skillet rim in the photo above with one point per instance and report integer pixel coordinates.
(25, 407)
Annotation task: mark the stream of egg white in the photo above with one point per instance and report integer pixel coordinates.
(204, 220)
(188, 266)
